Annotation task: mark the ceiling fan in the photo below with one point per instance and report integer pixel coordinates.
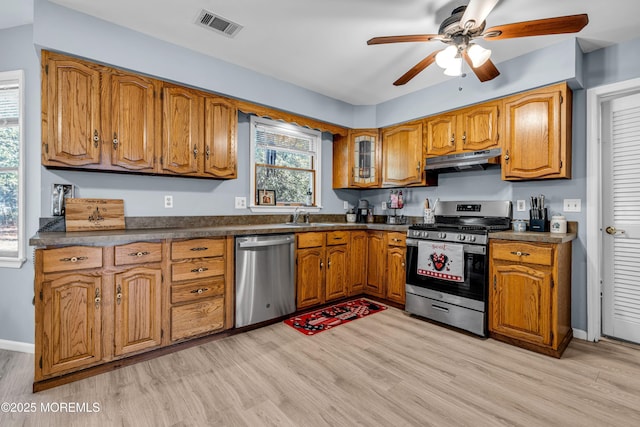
(466, 24)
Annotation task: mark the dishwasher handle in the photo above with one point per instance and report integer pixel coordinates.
(265, 243)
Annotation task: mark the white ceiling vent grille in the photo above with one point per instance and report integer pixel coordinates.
(217, 23)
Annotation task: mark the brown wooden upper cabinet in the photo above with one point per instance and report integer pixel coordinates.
(98, 117)
(470, 129)
(356, 159)
(537, 143)
(403, 156)
(71, 129)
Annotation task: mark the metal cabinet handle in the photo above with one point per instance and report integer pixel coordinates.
(199, 290)
(138, 254)
(118, 294)
(464, 136)
(97, 298)
(207, 152)
(115, 141)
(74, 259)
(453, 137)
(96, 138)
(613, 231)
(518, 253)
(201, 248)
(195, 151)
(506, 157)
(418, 168)
(321, 265)
(199, 270)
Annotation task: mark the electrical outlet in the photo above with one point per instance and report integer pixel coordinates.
(345, 205)
(572, 205)
(241, 202)
(384, 206)
(520, 206)
(168, 201)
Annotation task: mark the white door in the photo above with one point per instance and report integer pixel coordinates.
(621, 218)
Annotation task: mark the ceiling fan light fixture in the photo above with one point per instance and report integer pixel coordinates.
(455, 67)
(478, 55)
(445, 57)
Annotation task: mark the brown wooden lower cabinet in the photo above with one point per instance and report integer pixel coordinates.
(357, 262)
(530, 295)
(396, 261)
(376, 262)
(95, 305)
(386, 261)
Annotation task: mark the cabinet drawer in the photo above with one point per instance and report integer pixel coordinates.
(199, 269)
(523, 252)
(197, 248)
(310, 240)
(197, 318)
(395, 238)
(138, 253)
(337, 237)
(196, 291)
(71, 258)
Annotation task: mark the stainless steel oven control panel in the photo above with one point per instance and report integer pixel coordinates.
(448, 236)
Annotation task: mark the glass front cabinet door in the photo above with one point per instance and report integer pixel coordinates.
(364, 158)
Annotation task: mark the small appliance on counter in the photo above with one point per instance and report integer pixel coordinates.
(363, 210)
(538, 219)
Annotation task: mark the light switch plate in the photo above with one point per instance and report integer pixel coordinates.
(572, 205)
(520, 206)
(345, 205)
(384, 206)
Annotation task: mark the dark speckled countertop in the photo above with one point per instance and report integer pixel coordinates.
(194, 227)
(534, 236)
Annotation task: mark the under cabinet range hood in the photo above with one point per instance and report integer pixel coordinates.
(473, 160)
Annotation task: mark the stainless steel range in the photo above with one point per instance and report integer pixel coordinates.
(448, 266)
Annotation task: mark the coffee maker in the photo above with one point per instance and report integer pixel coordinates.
(363, 208)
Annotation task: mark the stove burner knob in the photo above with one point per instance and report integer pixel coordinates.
(472, 238)
(461, 237)
(442, 235)
(425, 234)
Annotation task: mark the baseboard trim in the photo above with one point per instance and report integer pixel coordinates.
(22, 347)
(580, 334)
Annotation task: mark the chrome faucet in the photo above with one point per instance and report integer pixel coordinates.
(296, 215)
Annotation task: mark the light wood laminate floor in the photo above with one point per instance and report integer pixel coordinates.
(387, 369)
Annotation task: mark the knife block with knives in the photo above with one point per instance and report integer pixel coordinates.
(538, 219)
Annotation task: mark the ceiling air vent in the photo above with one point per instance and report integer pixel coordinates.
(217, 23)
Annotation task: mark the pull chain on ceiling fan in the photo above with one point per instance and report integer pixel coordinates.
(466, 24)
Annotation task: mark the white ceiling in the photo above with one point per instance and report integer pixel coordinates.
(321, 45)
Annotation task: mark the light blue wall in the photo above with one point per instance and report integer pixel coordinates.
(57, 28)
(16, 285)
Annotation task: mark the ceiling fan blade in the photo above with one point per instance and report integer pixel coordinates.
(485, 72)
(476, 12)
(539, 27)
(403, 39)
(416, 69)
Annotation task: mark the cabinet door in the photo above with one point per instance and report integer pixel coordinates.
(364, 158)
(220, 122)
(396, 276)
(537, 136)
(441, 135)
(309, 277)
(376, 263)
(357, 262)
(479, 127)
(402, 160)
(70, 112)
(71, 322)
(134, 118)
(138, 299)
(182, 145)
(521, 303)
(336, 278)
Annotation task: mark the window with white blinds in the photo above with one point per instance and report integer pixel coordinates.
(285, 164)
(12, 245)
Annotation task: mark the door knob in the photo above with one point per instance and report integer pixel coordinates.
(613, 230)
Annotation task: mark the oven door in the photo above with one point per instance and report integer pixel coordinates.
(476, 264)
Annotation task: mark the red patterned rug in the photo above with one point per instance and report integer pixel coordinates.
(330, 317)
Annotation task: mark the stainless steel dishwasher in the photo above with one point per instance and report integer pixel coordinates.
(265, 284)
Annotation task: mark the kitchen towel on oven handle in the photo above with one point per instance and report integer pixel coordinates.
(441, 260)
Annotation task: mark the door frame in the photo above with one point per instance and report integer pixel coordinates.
(595, 98)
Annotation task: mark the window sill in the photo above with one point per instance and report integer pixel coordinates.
(11, 262)
(285, 209)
